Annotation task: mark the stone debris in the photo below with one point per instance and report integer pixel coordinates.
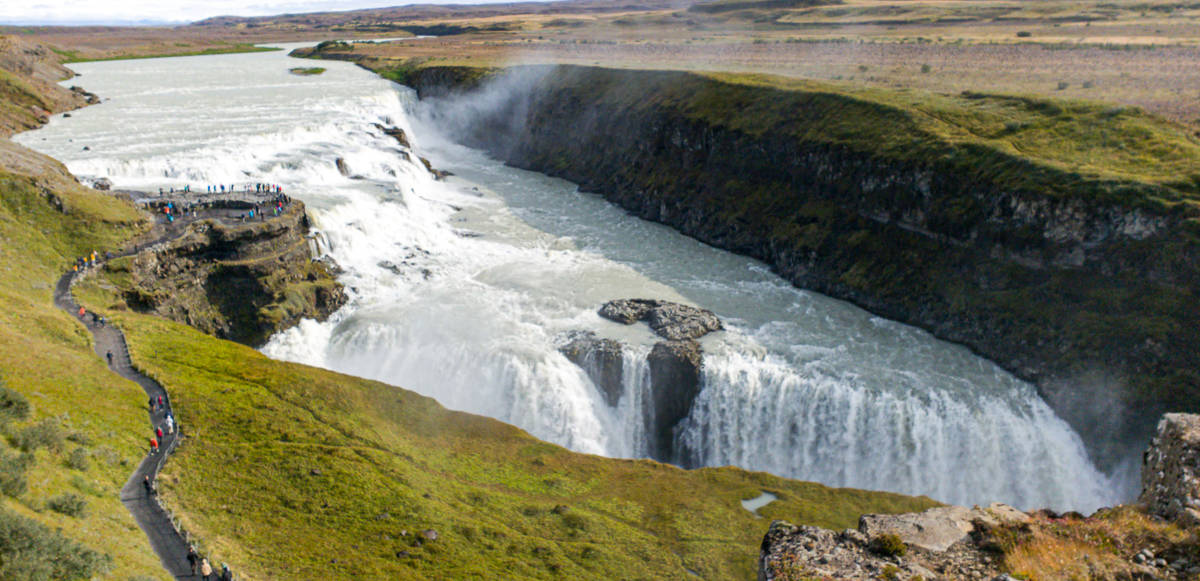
(938, 528)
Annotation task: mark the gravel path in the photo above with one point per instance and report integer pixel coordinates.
(150, 515)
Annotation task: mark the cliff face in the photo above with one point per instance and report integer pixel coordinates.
(1089, 295)
(242, 282)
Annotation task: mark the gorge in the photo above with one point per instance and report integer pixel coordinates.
(461, 289)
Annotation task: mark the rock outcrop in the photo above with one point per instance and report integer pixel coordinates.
(935, 544)
(671, 321)
(675, 377)
(242, 282)
(1171, 470)
(674, 366)
(601, 359)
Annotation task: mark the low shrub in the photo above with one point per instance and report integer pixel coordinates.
(12, 474)
(13, 405)
(888, 545)
(68, 503)
(30, 550)
(44, 434)
(79, 459)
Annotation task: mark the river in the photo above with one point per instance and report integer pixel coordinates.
(463, 289)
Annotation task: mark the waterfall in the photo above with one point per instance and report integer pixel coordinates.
(463, 289)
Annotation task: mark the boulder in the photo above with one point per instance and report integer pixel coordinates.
(1171, 470)
(938, 528)
(102, 184)
(601, 359)
(341, 166)
(671, 321)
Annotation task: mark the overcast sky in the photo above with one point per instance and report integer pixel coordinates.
(164, 11)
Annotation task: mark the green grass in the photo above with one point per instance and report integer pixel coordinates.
(333, 471)
(71, 395)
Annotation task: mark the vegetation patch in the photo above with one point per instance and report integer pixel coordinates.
(306, 71)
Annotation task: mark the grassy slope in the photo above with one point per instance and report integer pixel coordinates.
(330, 470)
(48, 357)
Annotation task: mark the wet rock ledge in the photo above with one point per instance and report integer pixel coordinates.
(237, 281)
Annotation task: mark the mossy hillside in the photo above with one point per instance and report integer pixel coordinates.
(290, 471)
(19, 104)
(78, 408)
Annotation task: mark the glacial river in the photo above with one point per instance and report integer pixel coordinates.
(462, 289)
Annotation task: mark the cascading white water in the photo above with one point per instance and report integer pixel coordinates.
(462, 290)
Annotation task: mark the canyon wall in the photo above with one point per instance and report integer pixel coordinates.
(1085, 287)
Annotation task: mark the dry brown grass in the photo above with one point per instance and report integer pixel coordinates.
(1100, 547)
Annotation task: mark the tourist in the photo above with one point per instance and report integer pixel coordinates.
(160, 401)
(226, 574)
(205, 569)
(148, 485)
(193, 558)
(170, 424)
(151, 404)
(82, 312)
(108, 355)
(153, 446)
(158, 433)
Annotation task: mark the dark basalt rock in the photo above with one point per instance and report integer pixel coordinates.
(601, 359)
(675, 376)
(671, 321)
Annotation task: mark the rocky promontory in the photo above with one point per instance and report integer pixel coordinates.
(674, 365)
(236, 279)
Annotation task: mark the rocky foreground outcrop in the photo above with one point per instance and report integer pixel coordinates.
(934, 544)
(954, 542)
(1171, 470)
(242, 282)
(674, 365)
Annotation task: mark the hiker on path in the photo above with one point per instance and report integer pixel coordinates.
(108, 355)
(205, 569)
(153, 446)
(158, 432)
(226, 574)
(160, 401)
(193, 558)
(149, 486)
(82, 312)
(151, 404)
(170, 424)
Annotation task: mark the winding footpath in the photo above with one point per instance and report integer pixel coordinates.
(166, 540)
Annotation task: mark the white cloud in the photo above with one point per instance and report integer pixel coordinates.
(116, 11)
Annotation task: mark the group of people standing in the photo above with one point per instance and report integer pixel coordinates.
(201, 566)
(157, 403)
(89, 260)
(258, 189)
